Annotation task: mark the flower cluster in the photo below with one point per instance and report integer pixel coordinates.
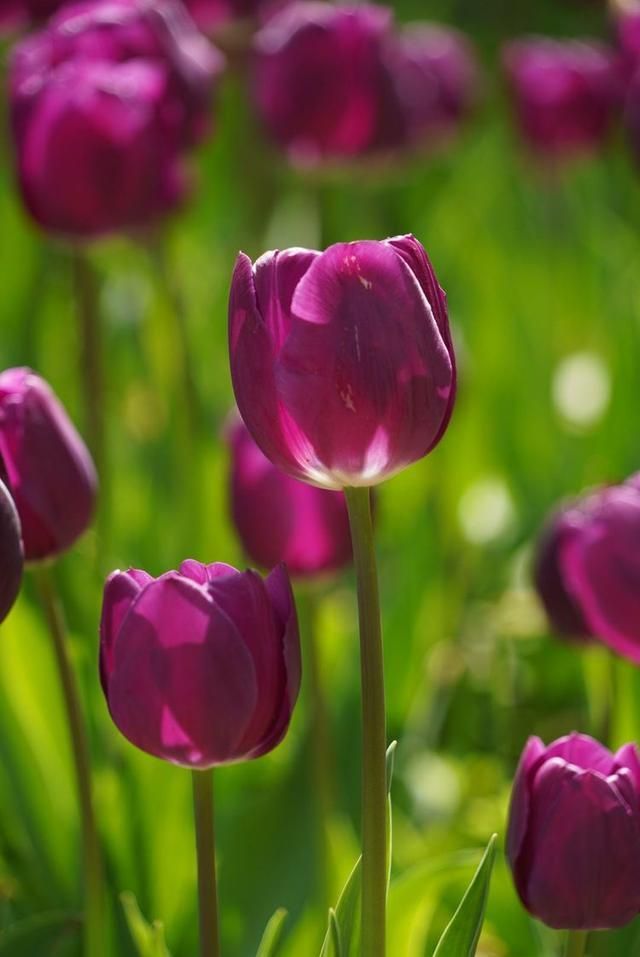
(337, 83)
(105, 102)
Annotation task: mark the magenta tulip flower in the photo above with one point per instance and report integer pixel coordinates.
(573, 841)
(601, 566)
(342, 361)
(279, 519)
(105, 101)
(438, 80)
(564, 94)
(627, 33)
(323, 84)
(563, 611)
(45, 465)
(200, 667)
(11, 552)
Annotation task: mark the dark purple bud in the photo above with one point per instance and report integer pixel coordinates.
(202, 666)
(45, 465)
(11, 552)
(438, 81)
(573, 839)
(322, 81)
(104, 102)
(279, 519)
(342, 361)
(627, 34)
(563, 611)
(564, 93)
(601, 566)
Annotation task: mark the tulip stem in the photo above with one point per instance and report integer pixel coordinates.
(576, 945)
(94, 932)
(320, 748)
(374, 792)
(206, 854)
(91, 357)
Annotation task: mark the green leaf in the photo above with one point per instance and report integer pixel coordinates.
(346, 917)
(335, 933)
(461, 935)
(148, 938)
(272, 937)
(344, 921)
(390, 762)
(38, 935)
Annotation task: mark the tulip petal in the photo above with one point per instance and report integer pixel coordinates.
(56, 504)
(279, 589)
(11, 553)
(519, 809)
(627, 757)
(583, 752)
(252, 355)
(602, 567)
(183, 683)
(581, 860)
(364, 373)
(120, 591)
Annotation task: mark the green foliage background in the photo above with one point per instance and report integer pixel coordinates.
(537, 267)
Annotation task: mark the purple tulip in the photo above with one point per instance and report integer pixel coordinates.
(573, 841)
(104, 102)
(342, 361)
(323, 85)
(564, 93)
(601, 566)
(209, 14)
(563, 611)
(202, 666)
(438, 80)
(280, 519)
(11, 552)
(45, 465)
(627, 33)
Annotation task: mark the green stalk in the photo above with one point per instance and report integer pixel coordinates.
(92, 377)
(374, 792)
(206, 854)
(321, 770)
(94, 930)
(576, 943)
(91, 354)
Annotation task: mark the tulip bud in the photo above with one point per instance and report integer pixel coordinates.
(45, 464)
(564, 94)
(322, 81)
(627, 34)
(438, 79)
(601, 566)
(280, 519)
(104, 102)
(573, 840)
(11, 553)
(210, 14)
(563, 611)
(342, 361)
(202, 666)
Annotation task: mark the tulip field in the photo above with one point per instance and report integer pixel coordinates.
(194, 757)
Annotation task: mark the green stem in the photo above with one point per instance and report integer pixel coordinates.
(94, 939)
(91, 354)
(576, 943)
(206, 854)
(91, 362)
(174, 300)
(320, 747)
(374, 793)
